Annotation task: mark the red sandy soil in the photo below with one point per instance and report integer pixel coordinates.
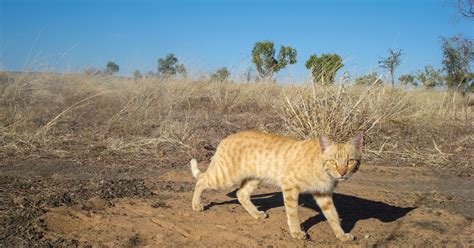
(69, 205)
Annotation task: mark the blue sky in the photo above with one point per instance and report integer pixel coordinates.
(70, 35)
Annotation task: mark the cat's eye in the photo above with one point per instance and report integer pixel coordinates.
(332, 161)
(353, 162)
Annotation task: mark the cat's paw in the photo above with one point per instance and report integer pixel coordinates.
(299, 235)
(260, 215)
(198, 207)
(346, 237)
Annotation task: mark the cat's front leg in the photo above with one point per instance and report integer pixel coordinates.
(326, 204)
(290, 198)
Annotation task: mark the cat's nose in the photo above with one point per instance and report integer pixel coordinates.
(342, 172)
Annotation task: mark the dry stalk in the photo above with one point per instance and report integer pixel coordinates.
(44, 130)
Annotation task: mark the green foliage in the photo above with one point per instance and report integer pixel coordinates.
(429, 77)
(458, 54)
(221, 75)
(181, 69)
(111, 68)
(137, 74)
(263, 56)
(324, 68)
(169, 66)
(407, 79)
(368, 79)
(391, 63)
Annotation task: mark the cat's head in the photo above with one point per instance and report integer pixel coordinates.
(341, 161)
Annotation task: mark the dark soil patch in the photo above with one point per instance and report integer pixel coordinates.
(125, 188)
(175, 186)
(24, 199)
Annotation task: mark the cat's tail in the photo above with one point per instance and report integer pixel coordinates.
(194, 168)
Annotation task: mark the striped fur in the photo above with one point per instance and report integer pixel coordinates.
(247, 159)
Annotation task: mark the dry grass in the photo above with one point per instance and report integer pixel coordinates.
(87, 117)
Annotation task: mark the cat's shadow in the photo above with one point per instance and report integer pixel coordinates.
(350, 208)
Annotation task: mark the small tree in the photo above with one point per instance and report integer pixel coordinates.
(429, 77)
(368, 79)
(407, 79)
(323, 69)
(221, 75)
(181, 70)
(111, 68)
(137, 74)
(458, 54)
(167, 65)
(391, 63)
(263, 56)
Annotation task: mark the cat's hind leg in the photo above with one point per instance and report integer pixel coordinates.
(216, 177)
(243, 195)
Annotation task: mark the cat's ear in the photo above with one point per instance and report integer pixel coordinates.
(358, 140)
(324, 142)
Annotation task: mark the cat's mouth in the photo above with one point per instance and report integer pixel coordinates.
(342, 179)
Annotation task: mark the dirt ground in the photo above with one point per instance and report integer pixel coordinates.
(52, 202)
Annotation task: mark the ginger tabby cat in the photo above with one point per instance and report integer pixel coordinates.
(310, 166)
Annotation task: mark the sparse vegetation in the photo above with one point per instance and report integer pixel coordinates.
(429, 77)
(458, 54)
(169, 66)
(221, 75)
(369, 79)
(323, 69)
(391, 63)
(111, 68)
(181, 70)
(42, 112)
(263, 56)
(407, 79)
